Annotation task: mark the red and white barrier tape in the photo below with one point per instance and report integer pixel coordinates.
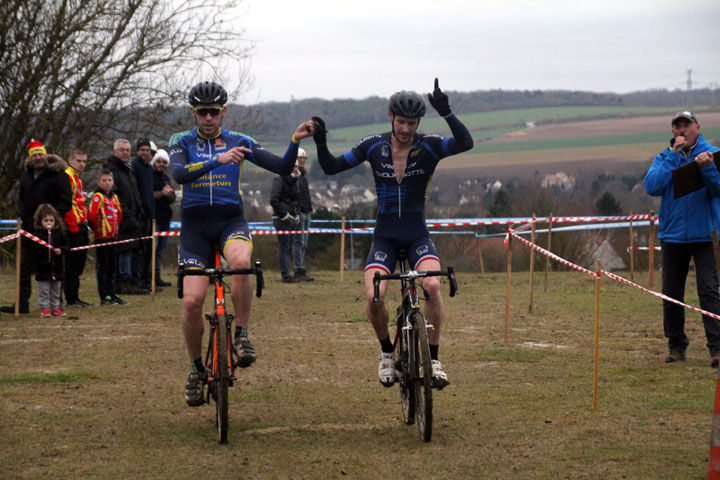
(8, 238)
(660, 295)
(546, 220)
(612, 276)
(552, 255)
(657, 249)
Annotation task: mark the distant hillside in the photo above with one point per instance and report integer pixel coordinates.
(274, 121)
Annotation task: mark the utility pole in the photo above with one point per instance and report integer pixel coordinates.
(689, 87)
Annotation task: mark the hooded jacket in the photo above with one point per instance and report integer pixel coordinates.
(285, 196)
(691, 218)
(51, 186)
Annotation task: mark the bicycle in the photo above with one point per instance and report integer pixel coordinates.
(221, 356)
(413, 365)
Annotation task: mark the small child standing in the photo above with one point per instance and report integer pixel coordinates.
(104, 216)
(49, 260)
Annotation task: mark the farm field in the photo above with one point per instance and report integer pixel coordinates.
(99, 393)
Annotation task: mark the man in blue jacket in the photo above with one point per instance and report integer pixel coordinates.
(685, 232)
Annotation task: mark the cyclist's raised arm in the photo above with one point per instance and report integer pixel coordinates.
(281, 165)
(184, 171)
(328, 162)
(461, 140)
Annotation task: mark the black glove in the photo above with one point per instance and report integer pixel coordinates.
(320, 135)
(439, 101)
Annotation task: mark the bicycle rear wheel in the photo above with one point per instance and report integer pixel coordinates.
(422, 385)
(407, 394)
(222, 378)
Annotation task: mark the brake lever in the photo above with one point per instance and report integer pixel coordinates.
(453, 281)
(259, 279)
(180, 276)
(376, 287)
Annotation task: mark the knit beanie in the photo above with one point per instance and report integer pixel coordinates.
(35, 147)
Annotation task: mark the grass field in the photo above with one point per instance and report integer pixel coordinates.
(98, 393)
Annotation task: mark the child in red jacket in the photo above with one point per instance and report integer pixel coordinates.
(104, 216)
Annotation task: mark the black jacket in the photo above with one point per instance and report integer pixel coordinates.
(305, 203)
(163, 210)
(51, 186)
(144, 173)
(285, 196)
(46, 264)
(129, 195)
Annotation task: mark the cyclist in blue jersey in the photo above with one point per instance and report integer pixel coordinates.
(403, 162)
(207, 161)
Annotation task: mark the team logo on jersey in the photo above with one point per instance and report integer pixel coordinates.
(422, 250)
(385, 152)
(219, 144)
(380, 256)
(415, 153)
(200, 146)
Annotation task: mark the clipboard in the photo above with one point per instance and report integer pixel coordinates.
(687, 179)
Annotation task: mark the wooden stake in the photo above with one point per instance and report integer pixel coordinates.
(532, 266)
(479, 249)
(632, 251)
(508, 282)
(651, 252)
(18, 253)
(152, 256)
(549, 247)
(597, 335)
(342, 250)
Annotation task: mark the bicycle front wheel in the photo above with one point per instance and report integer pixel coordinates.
(407, 395)
(222, 377)
(423, 380)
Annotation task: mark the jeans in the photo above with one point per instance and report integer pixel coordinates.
(124, 265)
(300, 242)
(675, 266)
(284, 245)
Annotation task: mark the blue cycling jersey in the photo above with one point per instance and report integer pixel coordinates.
(401, 205)
(195, 165)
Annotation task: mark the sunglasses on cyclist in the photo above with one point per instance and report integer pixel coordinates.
(204, 111)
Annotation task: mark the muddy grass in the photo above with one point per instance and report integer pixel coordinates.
(98, 393)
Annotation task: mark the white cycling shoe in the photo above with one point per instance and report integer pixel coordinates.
(386, 369)
(439, 376)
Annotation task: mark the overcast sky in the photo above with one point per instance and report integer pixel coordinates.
(344, 49)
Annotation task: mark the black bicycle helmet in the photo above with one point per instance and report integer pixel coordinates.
(407, 104)
(207, 93)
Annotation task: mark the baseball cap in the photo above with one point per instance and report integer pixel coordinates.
(686, 115)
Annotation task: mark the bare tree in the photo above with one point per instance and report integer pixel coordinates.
(82, 72)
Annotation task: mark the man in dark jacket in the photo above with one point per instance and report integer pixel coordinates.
(164, 196)
(131, 226)
(284, 200)
(144, 174)
(300, 240)
(44, 181)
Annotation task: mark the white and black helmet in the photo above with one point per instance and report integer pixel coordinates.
(407, 103)
(207, 93)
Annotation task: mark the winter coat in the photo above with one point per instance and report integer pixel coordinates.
(285, 196)
(51, 186)
(144, 173)
(691, 218)
(47, 264)
(77, 215)
(105, 214)
(129, 195)
(163, 210)
(305, 204)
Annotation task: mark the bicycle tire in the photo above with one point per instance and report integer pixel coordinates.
(222, 378)
(423, 379)
(407, 396)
